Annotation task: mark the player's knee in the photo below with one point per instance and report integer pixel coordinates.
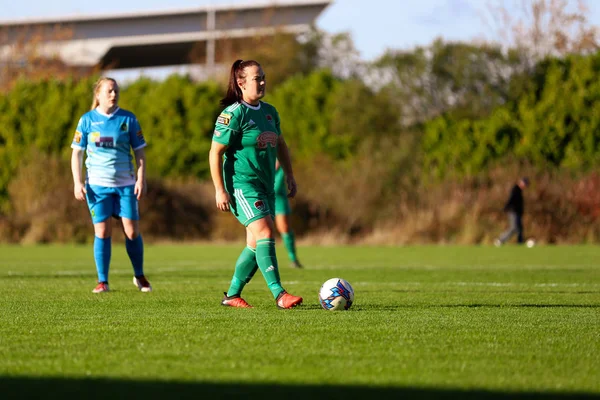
(102, 231)
(282, 225)
(265, 232)
(262, 229)
(131, 228)
(132, 232)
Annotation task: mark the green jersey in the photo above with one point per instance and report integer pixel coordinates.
(251, 134)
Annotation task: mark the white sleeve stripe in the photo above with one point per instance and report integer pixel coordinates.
(140, 147)
(226, 127)
(76, 146)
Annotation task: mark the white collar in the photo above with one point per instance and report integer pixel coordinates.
(251, 106)
(105, 114)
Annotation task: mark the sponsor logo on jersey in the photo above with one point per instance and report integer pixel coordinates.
(77, 138)
(124, 127)
(260, 205)
(217, 133)
(224, 119)
(101, 141)
(97, 123)
(265, 139)
(105, 141)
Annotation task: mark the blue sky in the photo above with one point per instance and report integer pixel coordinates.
(375, 25)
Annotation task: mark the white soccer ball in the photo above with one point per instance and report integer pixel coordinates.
(530, 243)
(336, 294)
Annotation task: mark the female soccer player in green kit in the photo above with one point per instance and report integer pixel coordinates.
(248, 136)
(282, 216)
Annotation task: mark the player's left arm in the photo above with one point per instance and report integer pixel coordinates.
(283, 155)
(138, 142)
(140, 183)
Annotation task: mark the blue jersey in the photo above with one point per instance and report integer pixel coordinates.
(108, 140)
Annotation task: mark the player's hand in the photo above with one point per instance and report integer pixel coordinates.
(140, 189)
(292, 187)
(223, 200)
(79, 191)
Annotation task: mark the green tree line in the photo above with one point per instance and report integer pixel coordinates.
(365, 143)
(178, 115)
(556, 123)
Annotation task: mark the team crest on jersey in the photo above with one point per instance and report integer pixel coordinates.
(260, 205)
(224, 119)
(124, 127)
(77, 138)
(94, 137)
(269, 118)
(265, 139)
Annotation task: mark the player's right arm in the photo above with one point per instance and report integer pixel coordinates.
(76, 167)
(215, 160)
(78, 145)
(226, 127)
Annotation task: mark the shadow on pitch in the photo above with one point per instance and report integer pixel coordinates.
(393, 307)
(62, 388)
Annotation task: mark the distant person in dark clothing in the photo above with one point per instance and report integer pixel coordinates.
(514, 208)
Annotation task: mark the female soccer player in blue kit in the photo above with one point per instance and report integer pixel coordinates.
(107, 134)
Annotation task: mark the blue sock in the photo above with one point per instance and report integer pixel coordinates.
(135, 250)
(102, 250)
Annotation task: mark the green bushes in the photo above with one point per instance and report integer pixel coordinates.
(326, 121)
(177, 117)
(359, 169)
(37, 115)
(557, 123)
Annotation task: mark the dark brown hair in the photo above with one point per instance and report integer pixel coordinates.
(234, 93)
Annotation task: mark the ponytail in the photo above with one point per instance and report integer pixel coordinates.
(97, 86)
(234, 93)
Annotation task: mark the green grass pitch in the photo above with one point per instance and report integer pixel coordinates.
(427, 322)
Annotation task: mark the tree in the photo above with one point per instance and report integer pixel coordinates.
(469, 79)
(27, 52)
(542, 28)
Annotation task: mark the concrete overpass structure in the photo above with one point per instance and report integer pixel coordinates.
(162, 38)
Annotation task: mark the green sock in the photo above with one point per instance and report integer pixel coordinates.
(267, 262)
(290, 245)
(245, 267)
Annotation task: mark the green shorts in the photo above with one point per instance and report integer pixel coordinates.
(282, 204)
(249, 204)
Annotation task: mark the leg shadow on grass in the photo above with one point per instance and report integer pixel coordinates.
(63, 388)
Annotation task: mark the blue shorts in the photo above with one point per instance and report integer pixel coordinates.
(105, 202)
